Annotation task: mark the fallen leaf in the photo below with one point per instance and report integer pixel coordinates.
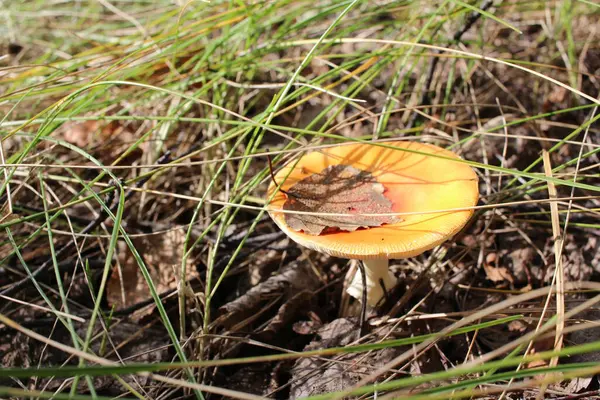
(162, 255)
(338, 189)
(521, 260)
(554, 100)
(579, 384)
(540, 346)
(494, 273)
(517, 326)
(92, 133)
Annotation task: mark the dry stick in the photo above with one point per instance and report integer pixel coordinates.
(470, 21)
(560, 285)
(8, 194)
(558, 276)
(88, 228)
(505, 147)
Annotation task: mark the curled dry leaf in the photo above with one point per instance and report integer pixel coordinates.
(495, 273)
(338, 189)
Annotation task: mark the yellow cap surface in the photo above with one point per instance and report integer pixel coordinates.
(413, 182)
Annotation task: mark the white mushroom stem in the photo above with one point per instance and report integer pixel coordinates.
(375, 271)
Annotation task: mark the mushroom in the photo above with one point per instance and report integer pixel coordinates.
(417, 180)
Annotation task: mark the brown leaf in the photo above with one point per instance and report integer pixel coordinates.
(517, 326)
(495, 273)
(79, 133)
(540, 346)
(92, 133)
(162, 254)
(338, 189)
(521, 260)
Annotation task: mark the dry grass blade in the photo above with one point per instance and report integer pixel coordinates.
(559, 272)
(558, 278)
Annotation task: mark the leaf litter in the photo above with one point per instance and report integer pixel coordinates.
(293, 282)
(338, 189)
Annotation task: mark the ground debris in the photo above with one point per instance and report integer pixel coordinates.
(131, 342)
(253, 379)
(287, 312)
(70, 103)
(162, 256)
(295, 279)
(92, 133)
(575, 266)
(494, 272)
(521, 260)
(581, 337)
(312, 376)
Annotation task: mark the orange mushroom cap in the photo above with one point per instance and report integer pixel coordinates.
(420, 184)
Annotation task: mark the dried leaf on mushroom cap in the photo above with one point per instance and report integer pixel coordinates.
(338, 189)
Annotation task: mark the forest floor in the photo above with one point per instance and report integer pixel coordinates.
(137, 256)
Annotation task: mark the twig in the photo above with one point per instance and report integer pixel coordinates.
(557, 279)
(558, 239)
(8, 196)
